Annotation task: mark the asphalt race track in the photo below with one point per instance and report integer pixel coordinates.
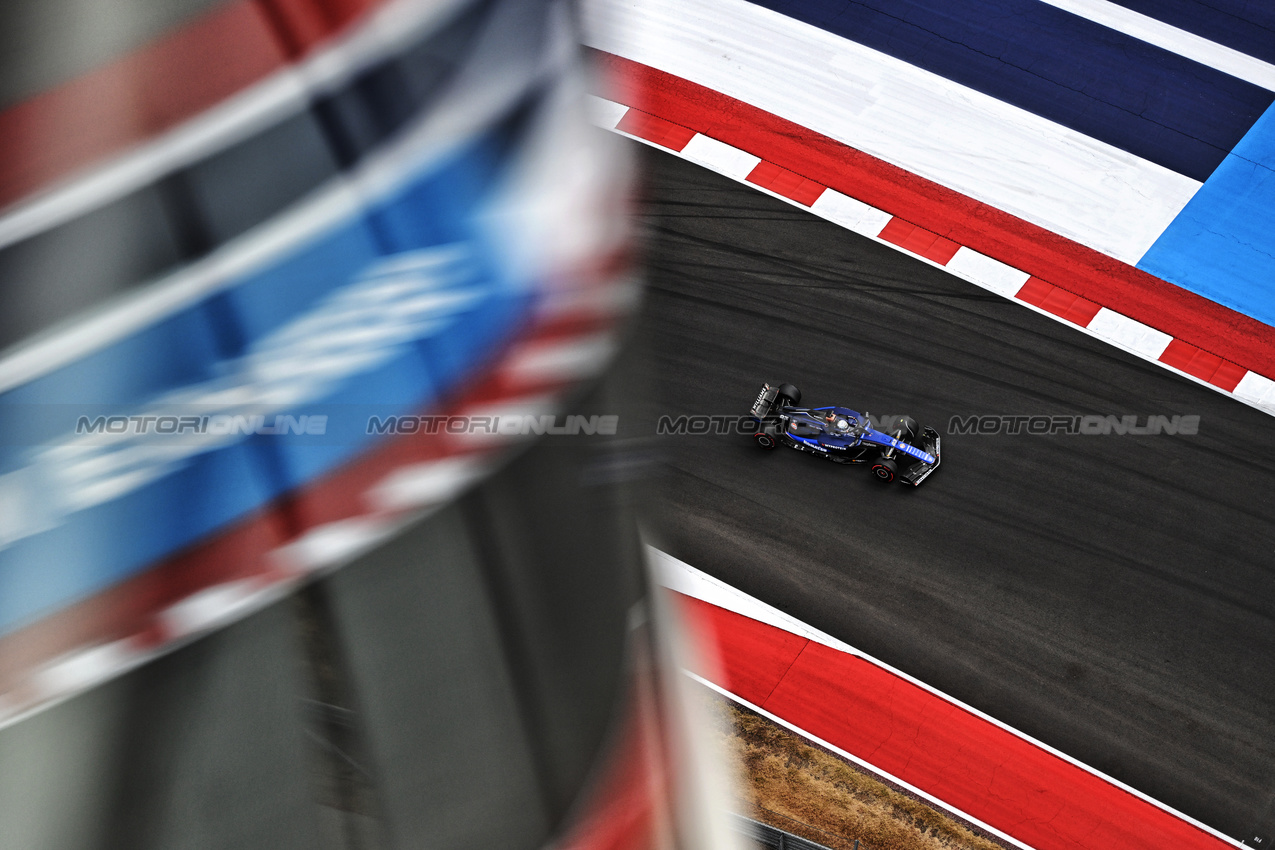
(1113, 596)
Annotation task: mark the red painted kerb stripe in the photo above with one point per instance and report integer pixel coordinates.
(974, 765)
(1082, 272)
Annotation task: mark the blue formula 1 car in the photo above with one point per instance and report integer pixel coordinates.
(906, 452)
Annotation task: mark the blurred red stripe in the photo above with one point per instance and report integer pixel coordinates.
(50, 136)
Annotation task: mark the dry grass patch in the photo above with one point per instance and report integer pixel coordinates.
(787, 783)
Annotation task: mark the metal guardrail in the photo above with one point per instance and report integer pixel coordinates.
(772, 837)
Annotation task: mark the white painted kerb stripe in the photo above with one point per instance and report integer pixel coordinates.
(1001, 278)
(1130, 334)
(851, 214)
(720, 157)
(1257, 390)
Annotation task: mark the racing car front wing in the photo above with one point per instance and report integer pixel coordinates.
(918, 472)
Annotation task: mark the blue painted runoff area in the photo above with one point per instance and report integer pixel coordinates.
(1222, 244)
(1109, 86)
(1244, 25)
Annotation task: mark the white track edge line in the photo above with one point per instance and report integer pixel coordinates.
(841, 646)
(861, 762)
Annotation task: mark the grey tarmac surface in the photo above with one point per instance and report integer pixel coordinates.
(1112, 596)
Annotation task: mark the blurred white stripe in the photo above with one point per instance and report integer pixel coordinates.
(334, 543)
(211, 607)
(563, 360)
(424, 484)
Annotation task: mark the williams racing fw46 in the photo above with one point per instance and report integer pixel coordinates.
(906, 452)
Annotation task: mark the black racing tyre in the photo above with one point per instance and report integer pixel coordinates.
(911, 430)
(766, 441)
(789, 392)
(885, 469)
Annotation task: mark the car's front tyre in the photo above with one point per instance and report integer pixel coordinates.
(885, 469)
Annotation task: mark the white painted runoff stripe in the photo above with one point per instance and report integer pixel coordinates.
(1040, 171)
(682, 577)
(1139, 26)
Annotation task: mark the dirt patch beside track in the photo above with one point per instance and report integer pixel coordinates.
(783, 780)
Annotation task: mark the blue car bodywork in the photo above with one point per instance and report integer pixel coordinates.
(907, 452)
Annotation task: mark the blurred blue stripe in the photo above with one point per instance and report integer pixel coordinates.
(99, 546)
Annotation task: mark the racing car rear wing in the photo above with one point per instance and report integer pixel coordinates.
(765, 403)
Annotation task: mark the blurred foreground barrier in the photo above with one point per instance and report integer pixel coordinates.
(238, 609)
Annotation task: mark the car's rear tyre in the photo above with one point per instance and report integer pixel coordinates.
(789, 392)
(885, 469)
(766, 441)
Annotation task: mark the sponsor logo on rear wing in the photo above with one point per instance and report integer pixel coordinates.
(765, 401)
